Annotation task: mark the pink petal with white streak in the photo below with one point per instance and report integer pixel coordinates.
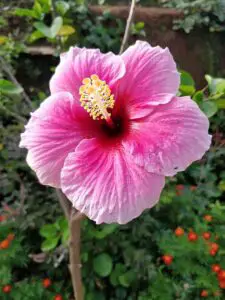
(53, 131)
(172, 137)
(106, 185)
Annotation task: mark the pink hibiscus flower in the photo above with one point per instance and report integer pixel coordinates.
(112, 129)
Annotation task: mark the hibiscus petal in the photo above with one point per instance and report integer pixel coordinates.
(53, 131)
(151, 76)
(106, 185)
(79, 63)
(170, 138)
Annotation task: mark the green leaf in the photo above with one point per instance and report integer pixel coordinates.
(102, 264)
(7, 87)
(37, 10)
(127, 278)
(36, 35)
(62, 224)
(65, 236)
(62, 7)
(220, 103)
(187, 84)
(48, 230)
(49, 244)
(119, 269)
(198, 96)
(139, 25)
(24, 12)
(3, 39)
(66, 30)
(51, 31)
(209, 108)
(216, 85)
(45, 5)
(106, 230)
(221, 185)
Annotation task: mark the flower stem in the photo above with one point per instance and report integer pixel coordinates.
(75, 262)
(128, 27)
(74, 219)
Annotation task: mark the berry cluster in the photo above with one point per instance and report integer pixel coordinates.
(6, 289)
(46, 284)
(212, 246)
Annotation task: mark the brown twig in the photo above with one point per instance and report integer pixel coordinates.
(128, 26)
(75, 262)
(74, 217)
(65, 203)
(7, 69)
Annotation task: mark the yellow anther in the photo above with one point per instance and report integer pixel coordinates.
(94, 77)
(96, 97)
(86, 80)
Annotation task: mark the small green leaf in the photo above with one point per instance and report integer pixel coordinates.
(209, 108)
(127, 278)
(65, 236)
(66, 30)
(102, 264)
(37, 10)
(56, 25)
(198, 96)
(7, 87)
(24, 12)
(48, 230)
(119, 269)
(220, 103)
(221, 185)
(3, 39)
(187, 84)
(62, 224)
(106, 230)
(51, 31)
(216, 85)
(36, 35)
(49, 244)
(139, 25)
(62, 7)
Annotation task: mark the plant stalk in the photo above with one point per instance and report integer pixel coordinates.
(75, 262)
(128, 27)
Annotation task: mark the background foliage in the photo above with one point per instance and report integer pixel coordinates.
(148, 259)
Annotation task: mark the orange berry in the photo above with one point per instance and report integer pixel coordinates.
(179, 189)
(208, 218)
(167, 259)
(204, 293)
(222, 284)
(46, 283)
(216, 268)
(4, 244)
(192, 236)
(2, 218)
(212, 252)
(10, 237)
(206, 235)
(221, 275)
(179, 231)
(6, 288)
(215, 246)
(58, 297)
(193, 188)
